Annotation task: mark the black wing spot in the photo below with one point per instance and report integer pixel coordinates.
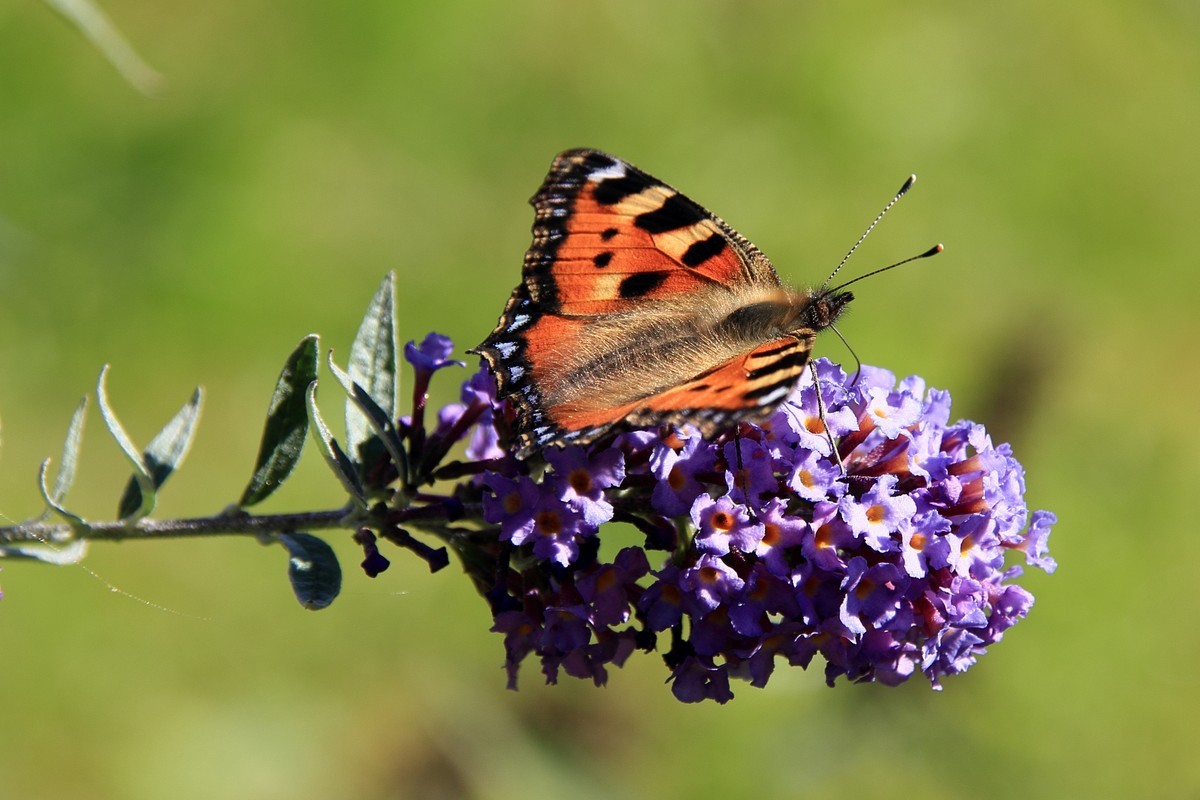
(774, 351)
(596, 161)
(703, 250)
(640, 284)
(792, 361)
(763, 391)
(603, 259)
(611, 191)
(676, 212)
(608, 233)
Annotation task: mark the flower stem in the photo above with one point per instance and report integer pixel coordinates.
(235, 522)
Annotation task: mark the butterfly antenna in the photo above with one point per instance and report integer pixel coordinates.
(933, 251)
(908, 184)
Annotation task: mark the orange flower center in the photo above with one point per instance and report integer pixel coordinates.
(676, 478)
(823, 537)
(549, 523)
(580, 480)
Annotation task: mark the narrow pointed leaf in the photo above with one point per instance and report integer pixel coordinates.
(378, 419)
(66, 471)
(165, 452)
(313, 569)
(337, 460)
(52, 500)
(287, 422)
(71, 553)
(141, 474)
(105, 37)
(70, 452)
(373, 366)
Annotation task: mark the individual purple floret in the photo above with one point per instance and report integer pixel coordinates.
(432, 354)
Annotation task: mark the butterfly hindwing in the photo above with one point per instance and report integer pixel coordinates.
(746, 387)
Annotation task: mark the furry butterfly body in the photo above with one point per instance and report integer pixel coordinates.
(639, 307)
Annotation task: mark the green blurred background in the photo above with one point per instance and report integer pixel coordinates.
(299, 150)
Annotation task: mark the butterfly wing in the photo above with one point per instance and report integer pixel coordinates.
(607, 238)
(747, 387)
(589, 339)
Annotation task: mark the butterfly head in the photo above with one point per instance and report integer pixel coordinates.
(822, 309)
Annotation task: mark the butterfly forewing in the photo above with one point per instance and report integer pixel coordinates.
(608, 238)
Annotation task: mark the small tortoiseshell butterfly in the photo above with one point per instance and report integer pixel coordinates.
(639, 307)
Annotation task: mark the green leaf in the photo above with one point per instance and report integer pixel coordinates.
(377, 418)
(287, 421)
(66, 471)
(165, 453)
(313, 570)
(373, 367)
(141, 473)
(337, 460)
(93, 24)
(64, 556)
(52, 501)
(70, 452)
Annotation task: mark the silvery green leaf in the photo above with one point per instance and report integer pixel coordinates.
(373, 357)
(52, 501)
(61, 556)
(378, 419)
(141, 473)
(337, 460)
(165, 453)
(66, 471)
(105, 37)
(286, 425)
(313, 569)
(70, 452)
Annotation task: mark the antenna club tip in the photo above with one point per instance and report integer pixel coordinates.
(908, 184)
(933, 251)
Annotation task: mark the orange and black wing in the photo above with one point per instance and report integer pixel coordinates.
(745, 388)
(608, 239)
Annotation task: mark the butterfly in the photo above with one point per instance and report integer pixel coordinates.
(639, 307)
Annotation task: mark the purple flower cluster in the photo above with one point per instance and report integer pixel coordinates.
(891, 562)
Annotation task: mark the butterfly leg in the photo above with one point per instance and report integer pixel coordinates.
(737, 448)
(821, 415)
(741, 479)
